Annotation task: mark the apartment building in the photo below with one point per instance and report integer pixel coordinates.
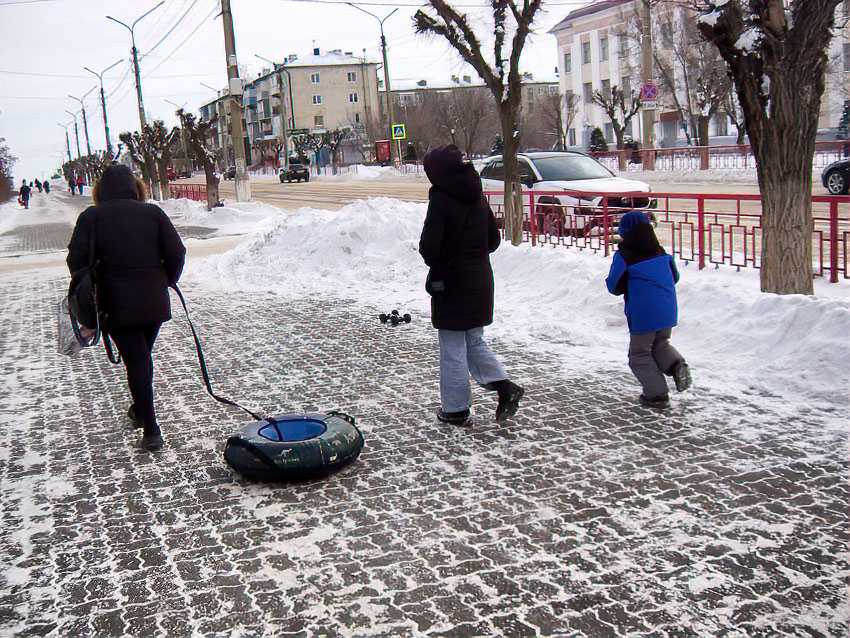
(599, 47)
(321, 92)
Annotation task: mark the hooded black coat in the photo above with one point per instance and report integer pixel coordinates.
(457, 238)
(139, 250)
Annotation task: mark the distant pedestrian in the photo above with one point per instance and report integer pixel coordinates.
(72, 185)
(24, 194)
(139, 256)
(81, 181)
(646, 276)
(46, 185)
(457, 238)
(38, 185)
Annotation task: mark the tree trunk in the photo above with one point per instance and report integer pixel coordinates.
(162, 165)
(151, 178)
(212, 186)
(621, 146)
(702, 139)
(513, 189)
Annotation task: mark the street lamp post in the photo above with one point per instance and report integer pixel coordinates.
(103, 103)
(67, 140)
(386, 75)
(85, 120)
(76, 132)
(283, 132)
(134, 51)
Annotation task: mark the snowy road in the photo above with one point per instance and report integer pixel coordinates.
(726, 516)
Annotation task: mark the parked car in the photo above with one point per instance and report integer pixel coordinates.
(229, 173)
(578, 214)
(296, 172)
(836, 177)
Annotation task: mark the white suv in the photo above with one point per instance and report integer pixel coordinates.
(576, 214)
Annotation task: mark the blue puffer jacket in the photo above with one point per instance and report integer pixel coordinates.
(649, 288)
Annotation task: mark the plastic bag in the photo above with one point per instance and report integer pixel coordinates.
(67, 342)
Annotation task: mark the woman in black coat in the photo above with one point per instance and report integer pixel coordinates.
(459, 234)
(140, 256)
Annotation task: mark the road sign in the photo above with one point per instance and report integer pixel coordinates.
(398, 132)
(649, 105)
(649, 91)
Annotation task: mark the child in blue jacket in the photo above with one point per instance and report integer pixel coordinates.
(646, 276)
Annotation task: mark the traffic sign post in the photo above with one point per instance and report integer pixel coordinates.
(649, 92)
(398, 132)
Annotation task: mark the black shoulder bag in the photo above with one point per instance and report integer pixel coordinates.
(436, 285)
(82, 303)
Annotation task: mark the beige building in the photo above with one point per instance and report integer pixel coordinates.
(321, 92)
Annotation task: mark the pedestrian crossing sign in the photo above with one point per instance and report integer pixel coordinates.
(398, 132)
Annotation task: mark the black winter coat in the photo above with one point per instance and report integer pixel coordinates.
(140, 255)
(458, 250)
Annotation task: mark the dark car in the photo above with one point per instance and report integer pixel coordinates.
(296, 172)
(229, 173)
(836, 177)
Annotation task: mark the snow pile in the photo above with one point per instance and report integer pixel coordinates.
(357, 172)
(554, 299)
(237, 218)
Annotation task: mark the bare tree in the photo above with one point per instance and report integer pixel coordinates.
(776, 51)
(7, 160)
(140, 153)
(198, 133)
(614, 105)
(332, 141)
(306, 144)
(558, 112)
(161, 142)
(502, 77)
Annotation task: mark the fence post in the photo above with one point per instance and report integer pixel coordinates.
(605, 225)
(701, 231)
(532, 225)
(833, 241)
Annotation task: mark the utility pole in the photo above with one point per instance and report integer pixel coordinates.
(103, 104)
(76, 132)
(81, 100)
(390, 114)
(142, 120)
(648, 116)
(283, 132)
(243, 185)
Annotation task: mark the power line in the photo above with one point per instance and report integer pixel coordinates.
(186, 39)
(46, 75)
(171, 30)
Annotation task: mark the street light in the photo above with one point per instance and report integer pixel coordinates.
(76, 132)
(103, 103)
(135, 52)
(85, 121)
(67, 140)
(386, 74)
(283, 132)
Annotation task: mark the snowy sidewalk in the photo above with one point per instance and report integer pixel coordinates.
(586, 516)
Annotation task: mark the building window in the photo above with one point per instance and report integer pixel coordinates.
(319, 120)
(667, 33)
(588, 92)
(628, 129)
(357, 118)
(609, 132)
(352, 76)
(720, 124)
(568, 62)
(626, 85)
(585, 52)
(603, 49)
(314, 78)
(571, 137)
(847, 56)
(317, 99)
(352, 97)
(606, 88)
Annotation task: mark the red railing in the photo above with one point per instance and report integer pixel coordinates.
(701, 228)
(714, 157)
(197, 192)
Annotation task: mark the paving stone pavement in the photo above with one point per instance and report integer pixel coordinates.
(584, 516)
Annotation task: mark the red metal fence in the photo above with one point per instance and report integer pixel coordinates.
(197, 192)
(701, 228)
(716, 157)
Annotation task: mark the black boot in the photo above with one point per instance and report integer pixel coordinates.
(131, 412)
(509, 395)
(660, 402)
(152, 439)
(461, 417)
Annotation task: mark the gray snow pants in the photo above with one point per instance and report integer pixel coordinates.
(651, 356)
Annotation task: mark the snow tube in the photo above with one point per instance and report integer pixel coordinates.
(294, 447)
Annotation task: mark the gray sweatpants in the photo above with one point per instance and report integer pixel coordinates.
(651, 356)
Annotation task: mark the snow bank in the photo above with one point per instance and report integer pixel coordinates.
(552, 299)
(236, 218)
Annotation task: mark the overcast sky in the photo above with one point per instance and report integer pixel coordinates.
(44, 45)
